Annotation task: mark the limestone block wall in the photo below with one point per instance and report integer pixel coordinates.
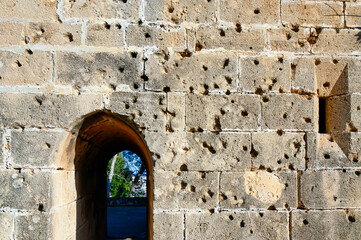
(250, 110)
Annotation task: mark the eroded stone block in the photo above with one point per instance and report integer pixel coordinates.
(168, 226)
(258, 189)
(303, 75)
(344, 41)
(7, 223)
(105, 35)
(176, 111)
(28, 10)
(10, 34)
(32, 226)
(353, 9)
(289, 39)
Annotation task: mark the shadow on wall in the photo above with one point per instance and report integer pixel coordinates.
(358, 35)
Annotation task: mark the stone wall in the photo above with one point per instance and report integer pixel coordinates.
(225, 93)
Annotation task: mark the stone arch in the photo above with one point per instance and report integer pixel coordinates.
(80, 188)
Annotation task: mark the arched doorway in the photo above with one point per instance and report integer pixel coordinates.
(93, 142)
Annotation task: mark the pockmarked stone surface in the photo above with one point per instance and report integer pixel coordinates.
(168, 223)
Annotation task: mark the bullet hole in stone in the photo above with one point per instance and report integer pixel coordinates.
(41, 207)
(124, 1)
(29, 51)
(209, 0)
(293, 66)
(18, 63)
(155, 116)
(26, 39)
(232, 101)
(226, 63)
(228, 79)
(334, 198)
(335, 61)
(127, 106)
(160, 101)
(217, 124)
(199, 46)
(222, 33)
(280, 69)
(326, 156)
(199, 129)
(69, 36)
(307, 120)
(258, 91)
(48, 145)
(191, 89)
(245, 148)
(288, 36)
(251, 231)
(210, 193)
(257, 11)
(280, 60)
(229, 93)
(205, 68)
(286, 156)
(242, 224)
(284, 116)
(186, 53)
(42, 30)
(171, 9)
(121, 69)
(118, 26)
(193, 188)
(305, 222)
(261, 167)
(215, 85)
(107, 25)
(255, 62)
(358, 173)
(271, 208)
(343, 170)
(290, 167)
(317, 61)
(223, 196)
(244, 113)
(183, 168)
(222, 112)
(280, 132)
(39, 99)
(230, 217)
(166, 89)
(238, 28)
(140, 22)
(144, 77)
(209, 147)
(204, 200)
(112, 86)
(260, 214)
(135, 85)
(183, 185)
(134, 54)
(295, 28)
(147, 35)
(253, 152)
(351, 219)
(358, 108)
(1, 77)
(265, 99)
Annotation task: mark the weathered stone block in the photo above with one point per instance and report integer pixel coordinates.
(33, 68)
(259, 189)
(250, 12)
(230, 39)
(223, 152)
(65, 217)
(312, 13)
(185, 190)
(289, 112)
(32, 226)
(303, 75)
(64, 182)
(176, 111)
(147, 110)
(353, 9)
(336, 224)
(244, 225)
(10, 34)
(279, 151)
(99, 69)
(290, 40)
(25, 190)
(28, 10)
(178, 12)
(7, 225)
(105, 35)
(224, 112)
(331, 189)
(265, 74)
(127, 10)
(353, 74)
(168, 226)
(344, 41)
(52, 33)
(141, 36)
(201, 72)
(46, 109)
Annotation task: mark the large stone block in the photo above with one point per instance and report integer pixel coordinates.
(11, 34)
(127, 10)
(223, 112)
(141, 36)
(335, 224)
(25, 68)
(52, 33)
(250, 12)
(178, 12)
(312, 13)
(105, 35)
(201, 72)
(176, 111)
(304, 75)
(49, 110)
(168, 226)
(30, 226)
(243, 225)
(25, 190)
(147, 110)
(34, 10)
(260, 189)
(99, 69)
(284, 111)
(289, 39)
(331, 189)
(63, 187)
(352, 14)
(230, 38)
(279, 151)
(265, 74)
(7, 223)
(65, 217)
(185, 190)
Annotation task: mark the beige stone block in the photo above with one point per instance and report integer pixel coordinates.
(258, 189)
(32, 226)
(176, 111)
(141, 36)
(201, 72)
(223, 112)
(289, 111)
(100, 69)
(353, 74)
(250, 12)
(344, 41)
(279, 151)
(331, 189)
(242, 225)
(303, 70)
(105, 35)
(52, 33)
(168, 226)
(93, 9)
(25, 68)
(290, 40)
(335, 224)
(63, 188)
(230, 39)
(223, 152)
(64, 217)
(265, 74)
(11, 34)
(185, 190)
(7, 223)
(37, 10)
(353, 10)
(178, 12)
(312, 13)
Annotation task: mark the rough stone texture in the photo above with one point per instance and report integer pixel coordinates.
(290, 40)
(32, 226)
(200, 72)
(259, 189)
(265, 74)
(10, 34)
(25, 67)
(178, 12)
(346, 41)
(336, 224)
(353, 9)
(7, 223)
(176, 111)
(279, 151)
(288, 112)
(330, 189)
(245, 225)
(28, 10)
(225, 112)
(105, 35)
(303, 75)
(168, 226)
